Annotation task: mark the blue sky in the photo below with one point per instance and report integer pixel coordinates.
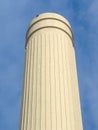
(15, 17)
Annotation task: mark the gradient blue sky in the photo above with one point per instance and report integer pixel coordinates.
(15, 16)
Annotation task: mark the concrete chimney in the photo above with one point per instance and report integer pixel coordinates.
(50, 88)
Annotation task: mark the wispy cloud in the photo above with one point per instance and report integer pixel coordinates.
(86, 37)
